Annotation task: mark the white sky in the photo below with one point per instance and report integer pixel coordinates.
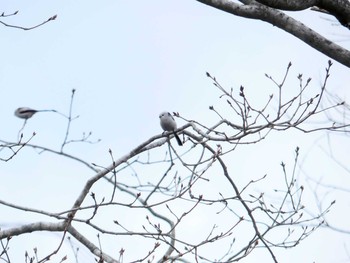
(131, 60)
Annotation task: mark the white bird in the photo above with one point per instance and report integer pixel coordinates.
(25, 113)
(168, 124)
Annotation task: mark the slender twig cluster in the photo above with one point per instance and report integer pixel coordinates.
(161, 199)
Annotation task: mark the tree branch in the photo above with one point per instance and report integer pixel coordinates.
(29, 228)
(340, 9)
(94, 249)
(291, 5)
(253, 10)
(26, 28)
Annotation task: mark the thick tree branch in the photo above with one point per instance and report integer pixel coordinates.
(91, 246)
(291, 5)
(39, 226)
(285, 22)
(56, 227)
(340, 9)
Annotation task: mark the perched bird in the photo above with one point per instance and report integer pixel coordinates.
(167, 122)
(25, 113)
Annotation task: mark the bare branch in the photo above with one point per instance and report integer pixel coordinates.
(22, 27)
(183, 183)
(277, 18)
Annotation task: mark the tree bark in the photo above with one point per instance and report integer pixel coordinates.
(254, 10)
(291, 5)
(340, 9)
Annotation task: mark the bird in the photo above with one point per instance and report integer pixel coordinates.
(25, 112)
(167, 122)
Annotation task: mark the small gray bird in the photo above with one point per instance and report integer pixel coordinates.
(168, 124)
(25, 112)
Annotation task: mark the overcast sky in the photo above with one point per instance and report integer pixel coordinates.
(129, 61)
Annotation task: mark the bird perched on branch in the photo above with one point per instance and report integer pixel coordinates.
(167, 122)
(25, 113)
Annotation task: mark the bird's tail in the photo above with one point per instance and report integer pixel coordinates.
(179, 142)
